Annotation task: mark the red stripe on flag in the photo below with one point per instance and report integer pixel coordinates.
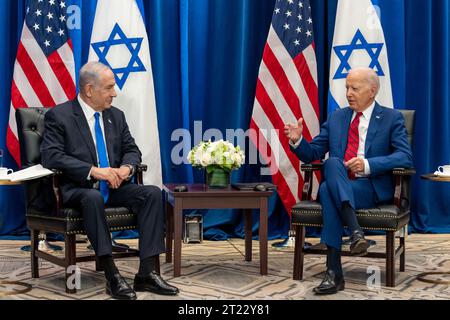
(274, 117)
(283, 188)
(34, 78)
(13, 145)
(285, 87)
(308, 82)
(16, 97)
(59, 68)
(70, 44)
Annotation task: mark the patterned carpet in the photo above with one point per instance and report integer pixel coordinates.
(217, 270)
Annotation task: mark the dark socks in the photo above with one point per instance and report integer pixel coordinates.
(348, 216)
(147, 265)
(108, 265)
(334, 260)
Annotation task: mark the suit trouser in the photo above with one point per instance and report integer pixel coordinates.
(336, 189)
(145, 201)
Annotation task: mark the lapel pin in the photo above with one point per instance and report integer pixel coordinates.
(378, 117)
(109, 120)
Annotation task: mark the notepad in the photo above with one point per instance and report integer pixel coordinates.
(31, 173)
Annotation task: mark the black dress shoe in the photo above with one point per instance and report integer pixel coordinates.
(331, 284)
(358, 244)
(119, 289)
(154, 283)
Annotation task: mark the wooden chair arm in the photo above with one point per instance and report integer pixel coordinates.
(402, 177)
(404, 171)
(309, 170)
(140, 169)
(56, 190)
(312, 167)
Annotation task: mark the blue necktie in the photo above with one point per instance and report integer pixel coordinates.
(102, 156)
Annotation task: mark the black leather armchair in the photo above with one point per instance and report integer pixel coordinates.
(44, 209)
(390, 218)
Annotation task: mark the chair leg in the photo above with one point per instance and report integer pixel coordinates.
(403, 255)
(169, 231)
(70, 247)
(298, 252)
(390, 259)
(34, 258)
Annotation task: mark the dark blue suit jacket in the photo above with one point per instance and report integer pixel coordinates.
(68, 145)
(386, 146)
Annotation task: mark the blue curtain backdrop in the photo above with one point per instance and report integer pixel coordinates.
(206, 55)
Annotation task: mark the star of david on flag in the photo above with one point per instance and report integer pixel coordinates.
(358, 42)
(118, 38)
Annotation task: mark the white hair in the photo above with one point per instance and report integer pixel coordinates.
(370, 76)
(90, 74)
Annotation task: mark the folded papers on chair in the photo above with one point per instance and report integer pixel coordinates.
(34, 172)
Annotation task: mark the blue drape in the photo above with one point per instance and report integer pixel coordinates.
(206, 55)
(428, 88)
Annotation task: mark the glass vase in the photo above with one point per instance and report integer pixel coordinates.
(217, 178)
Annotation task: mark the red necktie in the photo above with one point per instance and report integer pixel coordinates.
(353, 142)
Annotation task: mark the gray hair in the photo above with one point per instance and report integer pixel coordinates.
(90, 74)
(371, 76)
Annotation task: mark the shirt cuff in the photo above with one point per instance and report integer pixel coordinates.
(366, 167)
(295, 145)
(89, 175)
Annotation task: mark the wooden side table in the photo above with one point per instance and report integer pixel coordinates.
(199, 196)
(422, 276)
(9, 183)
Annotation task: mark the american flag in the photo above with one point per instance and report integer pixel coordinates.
(44, 71)
(287, 91)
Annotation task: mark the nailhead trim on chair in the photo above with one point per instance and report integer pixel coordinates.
(365, 228)
(110, 229)
(312, 213)
(109, 217)
(79, 219)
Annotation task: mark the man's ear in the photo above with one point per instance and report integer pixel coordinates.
(88, 91)
(374, 92)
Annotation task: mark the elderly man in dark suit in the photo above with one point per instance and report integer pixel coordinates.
(365, 142)
(90, 142)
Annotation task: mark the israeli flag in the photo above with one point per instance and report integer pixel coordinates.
(119, 40)
(358, 42)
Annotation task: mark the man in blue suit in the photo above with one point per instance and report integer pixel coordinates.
(365, 142)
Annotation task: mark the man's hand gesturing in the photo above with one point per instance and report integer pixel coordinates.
(294, 131)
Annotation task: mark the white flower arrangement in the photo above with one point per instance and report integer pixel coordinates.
(218, 154)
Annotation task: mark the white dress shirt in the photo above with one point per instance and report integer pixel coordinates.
(89, 115)
(363, 127)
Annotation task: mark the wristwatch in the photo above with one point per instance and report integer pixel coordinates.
(131, 170)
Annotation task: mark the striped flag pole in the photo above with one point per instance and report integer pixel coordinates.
(44, 70)
(286, 91)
